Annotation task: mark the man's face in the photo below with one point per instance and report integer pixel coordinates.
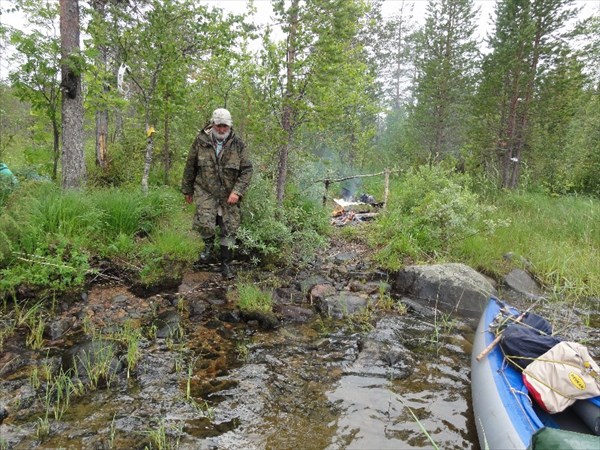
(221, 130)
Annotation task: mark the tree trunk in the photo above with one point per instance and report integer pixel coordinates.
(510, 159)
(102, 111)
(523, 123)
(148, 157)
(398, 62)
(288, 110)
(55, 145)
(101, 138)
(118, 134)
(73, 160)
(167, 154)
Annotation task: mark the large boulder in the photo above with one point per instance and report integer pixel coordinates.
(454, 288)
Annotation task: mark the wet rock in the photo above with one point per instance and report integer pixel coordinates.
(24, 396)
(266, 320)
(168, 325)
(344, 257)
(285, 295)
(370, 287)
(340, 273)
(230, 316)
(321, 291)
(450, 287)
(197, 306)
(3, 414)
(93, 357)
(307, 284)
(382, 354)
(341, 305)
(296, 314)
(11, 362)
(523, 283)
(218, 297)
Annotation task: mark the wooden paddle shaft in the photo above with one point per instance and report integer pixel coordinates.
(490, 347)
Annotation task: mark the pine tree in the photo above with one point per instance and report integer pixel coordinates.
(73, 160)
(523, 47)
(446, 60)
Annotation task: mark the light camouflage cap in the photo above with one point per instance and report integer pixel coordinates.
(221, 117)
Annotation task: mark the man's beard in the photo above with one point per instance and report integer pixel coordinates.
(220, 136)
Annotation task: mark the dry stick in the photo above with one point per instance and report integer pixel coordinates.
(336, 180)
(328, 181)
(490, 347)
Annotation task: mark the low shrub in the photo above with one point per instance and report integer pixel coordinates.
(428, 210)
(282, 235)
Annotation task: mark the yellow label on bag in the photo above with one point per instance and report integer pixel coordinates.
(577, 381)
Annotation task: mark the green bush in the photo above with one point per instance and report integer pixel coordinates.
(55, 266)
(428, 210)
(291, 233)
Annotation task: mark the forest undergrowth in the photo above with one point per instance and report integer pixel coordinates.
(53, 242)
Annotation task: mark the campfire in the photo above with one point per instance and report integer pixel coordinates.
(350, 211)
(354, 210)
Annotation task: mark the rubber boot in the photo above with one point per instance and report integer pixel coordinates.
(226, 258)
(205, 255)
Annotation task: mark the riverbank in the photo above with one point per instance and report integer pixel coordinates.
(186, 368)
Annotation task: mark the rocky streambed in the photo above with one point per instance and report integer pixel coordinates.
(344, 362)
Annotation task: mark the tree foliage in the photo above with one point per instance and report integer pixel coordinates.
(525, 46)
(446, 64)
(331, 84)
(36, 68)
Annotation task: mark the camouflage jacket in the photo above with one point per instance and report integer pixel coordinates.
(217, 177)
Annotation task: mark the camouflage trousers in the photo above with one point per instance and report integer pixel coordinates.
(211, 213)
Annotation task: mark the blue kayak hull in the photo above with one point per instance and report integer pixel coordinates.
(505, 416)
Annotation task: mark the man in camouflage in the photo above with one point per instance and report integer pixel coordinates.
(216, 177)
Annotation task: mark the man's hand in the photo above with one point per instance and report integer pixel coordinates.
(189, 198)
(233, 198)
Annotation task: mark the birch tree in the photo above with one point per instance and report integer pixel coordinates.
(318, 45)
(35, 73)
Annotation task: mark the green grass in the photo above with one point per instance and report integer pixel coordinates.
(49, 238)
(555, 238)
(252, 298)
(436, 216)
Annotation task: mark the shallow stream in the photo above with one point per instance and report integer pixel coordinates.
(205, 377)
